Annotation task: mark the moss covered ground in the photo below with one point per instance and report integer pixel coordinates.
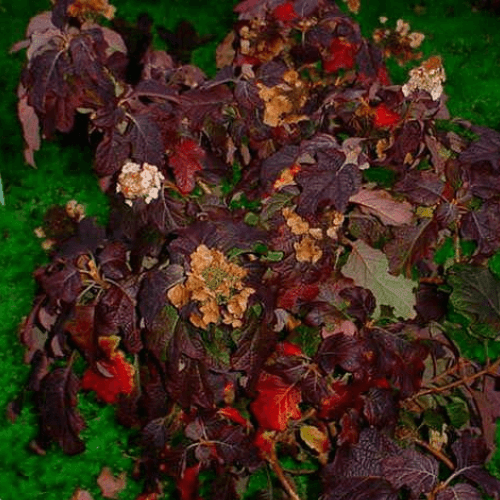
(467, 40)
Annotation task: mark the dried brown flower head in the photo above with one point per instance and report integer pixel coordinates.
(284, 101)
(216, 285)
(89, 8)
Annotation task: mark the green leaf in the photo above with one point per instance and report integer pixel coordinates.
(458, 412)
(476, 293)
(494, 264)
(445, 252)
(251, 219)
(368, 268)
(433, 419)
(274, 256)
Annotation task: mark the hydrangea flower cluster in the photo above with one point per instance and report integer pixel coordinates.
(136, 181)
(216, 285)
(429, 76)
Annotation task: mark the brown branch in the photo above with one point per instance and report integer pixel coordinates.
(276, 467)
(489, 370)
(437, 453)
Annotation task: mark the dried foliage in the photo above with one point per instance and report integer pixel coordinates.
(283, 275)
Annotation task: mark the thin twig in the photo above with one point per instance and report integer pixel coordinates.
(463, 381)
(276, 467)
(437, 453)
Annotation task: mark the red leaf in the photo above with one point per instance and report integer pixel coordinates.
(147, 496)
(121, 379)
(385, 117)
(300, 292)
(383, 76)
(277, 402)
(81, 329)
(341, 56)
(285, 12)
(235, 416)
(286, 348)
(188, 484)
(186, 161)
(264, 442)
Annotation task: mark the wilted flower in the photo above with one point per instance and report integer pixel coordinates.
(428, 77)
(402, 27)
(84, 8)
(307, 250)
(139, 182)
(284, 101)
(216, 285)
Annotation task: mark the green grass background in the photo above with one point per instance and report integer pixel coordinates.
(469, 43)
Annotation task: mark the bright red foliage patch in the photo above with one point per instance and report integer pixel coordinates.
(385, 117)
(342, 56)
(277, 402)
(188, 484)
(122, 374)
(285, 12)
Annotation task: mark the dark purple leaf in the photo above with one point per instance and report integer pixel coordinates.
(486, 148)
(113, 260)
(328, 183)
(272, 166)
(412, 469)
(145, 140)
(422, 187)
(483, 226)
(247, 95)
(111, 154)
(459, 491)
(59, 421)
(359, 488)
(61, 280)
(380, 408)
(364, 458)
(431, 302)
(152, 294)
(471, 453)
(481, 180)
(361, 302)
(196, 103)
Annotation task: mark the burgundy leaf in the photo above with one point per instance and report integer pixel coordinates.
(186, 160)
(59, 421)
(411, 244)
(197, 103)
(82, 330)
(361, 302)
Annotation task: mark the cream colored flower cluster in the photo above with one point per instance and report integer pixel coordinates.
(136, 181)
(216, 285)
(429, 76)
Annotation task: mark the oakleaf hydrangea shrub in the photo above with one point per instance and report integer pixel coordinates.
(294, 249)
